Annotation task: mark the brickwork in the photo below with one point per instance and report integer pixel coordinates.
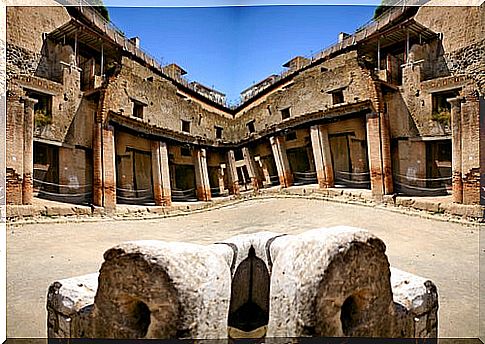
(248, 160)
(322, 156)
(28, 171)
(233, 178)
(203, 189)
(109, 168)
(282, 165)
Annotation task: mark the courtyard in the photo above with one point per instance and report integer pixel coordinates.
(446, 253)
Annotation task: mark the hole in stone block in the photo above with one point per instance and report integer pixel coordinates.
(351, 313)
(249, 308)
(137, 316)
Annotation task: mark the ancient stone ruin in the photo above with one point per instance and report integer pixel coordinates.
(324, 282)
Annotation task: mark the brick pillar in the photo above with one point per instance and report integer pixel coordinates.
(233, 179)
(156, 173)
(481, 109)
(322, 156)
(375, 155)
(264, 170)
(28, 160)
(109, 168)
(161, 174)
(202, 175)
(281, 160)
(386, 154)
(457, 181)
(97, 165)
(165, 172)
(251, 170)
(220, 178)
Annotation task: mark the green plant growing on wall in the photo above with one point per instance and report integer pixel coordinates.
(442, 115)
(41, 118)
(383, 7)
(99, 6)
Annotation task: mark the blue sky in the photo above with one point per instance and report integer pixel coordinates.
(230, 48)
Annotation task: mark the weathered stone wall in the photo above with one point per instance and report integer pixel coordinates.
(469, 60)
(27, 24)
(307, 92)
(165, 105)
(451, 21)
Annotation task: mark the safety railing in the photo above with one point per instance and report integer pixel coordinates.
(216, 192)
(414, 186)
(356, 180)
(68, 193)
(188, 195)
(86, 7)
(132, 196)
(304, 178)
(275, 180)
(367, 29)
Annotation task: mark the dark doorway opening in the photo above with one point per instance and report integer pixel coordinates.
(249, 308)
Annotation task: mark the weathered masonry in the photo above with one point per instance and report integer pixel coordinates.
(324, 282)
(394, 108)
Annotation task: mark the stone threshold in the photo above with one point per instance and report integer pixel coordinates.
(436, 208)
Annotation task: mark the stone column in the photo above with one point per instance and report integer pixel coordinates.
(109, 168)
(251, 170)
(281, 160)
(202, 175)
(457, 181)
(97, 165)
(264, 169)
(386, 154)
(165, 174)
(156, 173)
(161, 174)
(28, 160)
(322, 156)
(221, 179)
(233, 179)
(375, 155)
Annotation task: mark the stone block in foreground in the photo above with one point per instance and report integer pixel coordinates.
(324, 282)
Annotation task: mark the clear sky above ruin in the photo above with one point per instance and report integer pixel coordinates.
(230, 48)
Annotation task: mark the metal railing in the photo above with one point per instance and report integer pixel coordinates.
(188, 195)
(117, 35)
(370, 27)
(69, 193)
(216, 192)
(357, 180)
(413, 186)
(132, 196)
(304, 178)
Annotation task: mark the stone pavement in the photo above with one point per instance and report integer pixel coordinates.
(447, 253)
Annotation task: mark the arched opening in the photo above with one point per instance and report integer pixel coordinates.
(137, 317)
(249, 307)
(351, 313)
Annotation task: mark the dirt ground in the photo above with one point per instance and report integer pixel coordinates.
(446, 253)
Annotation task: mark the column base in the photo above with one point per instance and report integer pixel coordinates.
(234, 189)
(27, 190)
(457, 188)
(203, 194)
(256, 184)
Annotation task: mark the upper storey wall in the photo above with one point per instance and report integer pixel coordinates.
(25, 25)
(461, 26)
(164, 105)
(308, 92)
